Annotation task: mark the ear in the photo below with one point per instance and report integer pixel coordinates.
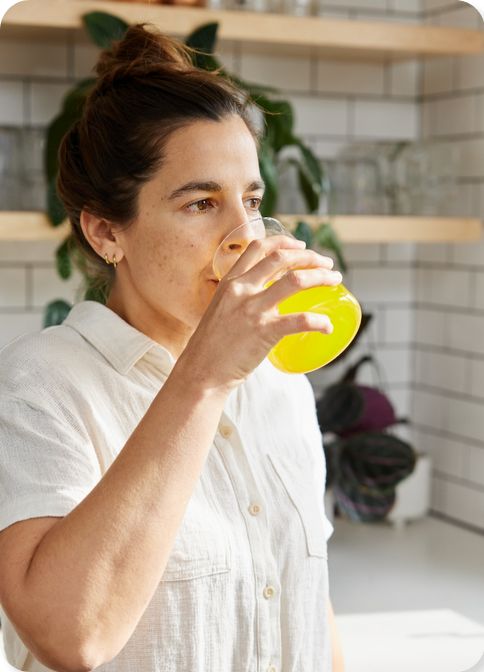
(100, 235)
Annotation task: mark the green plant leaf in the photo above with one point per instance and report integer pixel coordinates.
(311, 164)
(269, 175)
(74, 100)
(95, 293)
(55, 208)
(63, 259)
(307, 187)
(279, 119)
(104, 28)
(56, 312)
(326, 237)
(71, 112)
(206, 62)
(55, 132)
(203, 38)
(304, 232)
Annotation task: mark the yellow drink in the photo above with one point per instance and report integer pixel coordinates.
(310, 350)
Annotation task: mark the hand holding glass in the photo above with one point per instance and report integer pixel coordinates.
(305, 351)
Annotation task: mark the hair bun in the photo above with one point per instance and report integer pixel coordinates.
(142, 50)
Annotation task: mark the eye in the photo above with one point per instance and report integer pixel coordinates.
(203, 205)
(254, 202)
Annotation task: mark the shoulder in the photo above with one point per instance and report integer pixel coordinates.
(40, 357)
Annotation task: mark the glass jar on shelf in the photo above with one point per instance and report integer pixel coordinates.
(22, 179)
(296, 7)
(354, 187)
(10, 187)
(33, 181)
(415, 178)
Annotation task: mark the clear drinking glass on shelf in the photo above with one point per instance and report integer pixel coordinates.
(10, 168)
(305, 351)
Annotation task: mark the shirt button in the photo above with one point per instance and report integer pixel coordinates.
(268, 592)
(254, 509)
(271, 668)
(226, 431)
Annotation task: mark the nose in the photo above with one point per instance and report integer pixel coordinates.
(240, 238)
(235, 243)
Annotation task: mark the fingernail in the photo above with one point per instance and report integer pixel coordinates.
(301, 243)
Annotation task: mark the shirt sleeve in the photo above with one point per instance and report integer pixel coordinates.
(47, 463)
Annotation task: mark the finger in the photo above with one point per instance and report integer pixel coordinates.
(295, 281)
(259, 249)
(279, 261)
(295, 323)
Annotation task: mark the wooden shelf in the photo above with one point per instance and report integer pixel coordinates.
(34, 226)
(332, 37)
(388, 229)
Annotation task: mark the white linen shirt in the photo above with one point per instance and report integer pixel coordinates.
(246, 585)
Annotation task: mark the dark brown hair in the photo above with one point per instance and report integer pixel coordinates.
(146, 89)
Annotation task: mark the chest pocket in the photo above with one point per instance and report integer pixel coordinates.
(305, 488)
(201, 548)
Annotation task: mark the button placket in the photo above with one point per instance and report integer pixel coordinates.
(247, 492)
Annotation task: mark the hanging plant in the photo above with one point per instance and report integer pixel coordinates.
(365, 461)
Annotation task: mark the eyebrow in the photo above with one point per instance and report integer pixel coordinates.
(211, 187)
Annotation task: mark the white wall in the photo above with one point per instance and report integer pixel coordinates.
(449, 309)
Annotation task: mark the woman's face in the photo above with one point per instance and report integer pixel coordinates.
(208, 185)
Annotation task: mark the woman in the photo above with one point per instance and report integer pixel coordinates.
(162, 484)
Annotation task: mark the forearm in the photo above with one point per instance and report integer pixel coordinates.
(95, 571)
(338, 660)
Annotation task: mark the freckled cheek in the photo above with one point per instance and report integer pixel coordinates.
(175, 261)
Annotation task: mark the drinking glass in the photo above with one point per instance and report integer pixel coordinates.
(309, 350)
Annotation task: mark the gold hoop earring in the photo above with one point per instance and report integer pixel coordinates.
(113, 262)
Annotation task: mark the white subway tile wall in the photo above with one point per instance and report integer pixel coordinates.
(12, 107)
(13, 284)
(398, 325)
(427, 300)
(459, 16)
(405, 78)
(47, 284)
(83, 56)
(350, 78)
(456, 115)
(320, 116)
(386, 120)
(32, 58)
(438, 75)
(387, 285)
(443, 286)
(285, 72)
(45, 101)
(412, 6)
(469, 72)
(449, 330)
(442, 370)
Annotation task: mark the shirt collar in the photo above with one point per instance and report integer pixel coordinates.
(120, 343)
